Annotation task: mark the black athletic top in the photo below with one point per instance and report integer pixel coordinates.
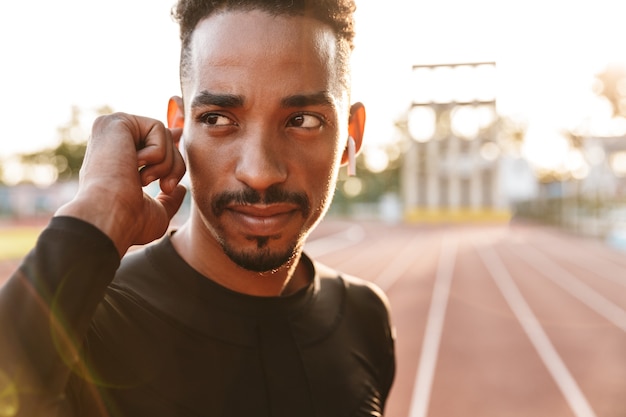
(163, 340)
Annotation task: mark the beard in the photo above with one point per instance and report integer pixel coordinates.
(263, 258)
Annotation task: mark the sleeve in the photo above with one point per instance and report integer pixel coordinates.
(372, 314)
(45, 310)
(387, 339)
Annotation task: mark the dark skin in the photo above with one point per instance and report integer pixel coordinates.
(120, 144)
(266, 113)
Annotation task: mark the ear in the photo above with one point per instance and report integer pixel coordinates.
(176, 116)
(175, 113)
(356, 128)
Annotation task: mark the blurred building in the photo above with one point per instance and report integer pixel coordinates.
(28, 200)
(606, 177)
(454, 168)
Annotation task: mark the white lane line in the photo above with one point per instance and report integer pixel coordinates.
(548, 354)
(574, 286)
(332, 243)
(616, 275)
(434, 328)
(399, 265)
(597, 248)
(591, 263)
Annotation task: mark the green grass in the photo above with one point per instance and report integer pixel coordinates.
(16, 242)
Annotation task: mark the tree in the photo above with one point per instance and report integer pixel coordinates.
(612, 85)
(66, 158)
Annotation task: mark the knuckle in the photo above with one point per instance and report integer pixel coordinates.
(112, 118)
(110, 121)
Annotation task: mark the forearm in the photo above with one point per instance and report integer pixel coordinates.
(103, 215)
(47, 305)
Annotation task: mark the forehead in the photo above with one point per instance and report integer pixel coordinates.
(230, 49)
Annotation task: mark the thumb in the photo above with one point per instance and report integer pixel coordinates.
(172, 201)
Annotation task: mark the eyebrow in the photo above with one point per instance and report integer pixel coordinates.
(303, 100)
(205, 98)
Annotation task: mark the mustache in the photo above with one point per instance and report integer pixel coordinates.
(249, 196)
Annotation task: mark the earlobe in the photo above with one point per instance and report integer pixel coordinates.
(175, 113)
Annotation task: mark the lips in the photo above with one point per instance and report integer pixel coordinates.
(263, 220)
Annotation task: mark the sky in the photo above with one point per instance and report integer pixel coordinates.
(124, 54)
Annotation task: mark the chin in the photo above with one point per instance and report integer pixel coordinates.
(260, 260)
(262, 253)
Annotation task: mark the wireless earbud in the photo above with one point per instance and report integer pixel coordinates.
(351, 157)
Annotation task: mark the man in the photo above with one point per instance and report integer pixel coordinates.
(226, 316)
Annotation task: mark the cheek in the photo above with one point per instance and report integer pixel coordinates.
(197, 166)
(320, 165)
(326, 156)
(204, 167)
(323, 178)
(324, 152)
(204, 157)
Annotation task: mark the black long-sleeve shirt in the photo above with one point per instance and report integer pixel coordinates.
(86, 336)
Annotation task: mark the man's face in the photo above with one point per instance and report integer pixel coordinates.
(265, 126)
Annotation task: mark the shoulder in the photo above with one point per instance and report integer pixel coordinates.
(365, 291)
(142, 271)
(146, 261)
(355, 287)
(365, 321)
(362, 299)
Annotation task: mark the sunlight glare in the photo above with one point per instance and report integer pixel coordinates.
(618, 163)
(545, 149)
(465, 121)
(444, 89)
(376, 160)
(423, 85)
(484, 78)
(12, 172)
(422, 123)
(576, 164)
(461, 84)
(352, 186)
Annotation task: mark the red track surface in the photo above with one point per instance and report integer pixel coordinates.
(502, 321)
(492, 321)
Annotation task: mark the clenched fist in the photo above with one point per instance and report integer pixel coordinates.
(125, 153)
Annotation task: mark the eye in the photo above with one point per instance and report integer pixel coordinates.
(306, 121)
(216, 119)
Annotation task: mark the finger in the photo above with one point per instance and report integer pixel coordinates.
(176, 173)
(171, 202)
(159, 155)
(176, 133)
(153, 144)
(170, 170)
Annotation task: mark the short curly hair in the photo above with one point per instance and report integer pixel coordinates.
(337, 14)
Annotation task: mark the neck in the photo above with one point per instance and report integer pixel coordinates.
(197, 246)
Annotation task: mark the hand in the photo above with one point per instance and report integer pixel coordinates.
(124, 154)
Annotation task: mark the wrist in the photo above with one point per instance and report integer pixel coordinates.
(106, 218)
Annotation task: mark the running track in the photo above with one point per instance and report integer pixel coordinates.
(491, 321)
(494, 321)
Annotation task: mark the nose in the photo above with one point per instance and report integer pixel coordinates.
(261, 162)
